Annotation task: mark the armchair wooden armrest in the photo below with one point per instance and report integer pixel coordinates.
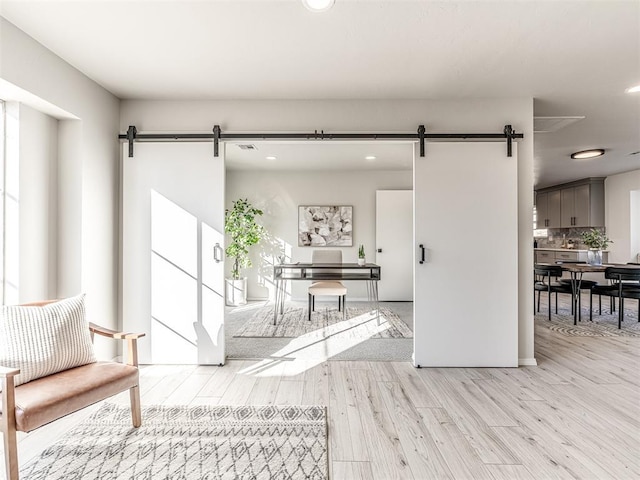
(131, 338)
(6, 372)
(106, 332)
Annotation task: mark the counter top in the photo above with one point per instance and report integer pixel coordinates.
(564, 249)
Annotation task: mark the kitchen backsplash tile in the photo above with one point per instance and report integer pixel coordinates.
(554, 237)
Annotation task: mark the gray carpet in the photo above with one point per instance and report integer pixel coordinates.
(372, 349)
(294, 322)
(190, 443)
(605, 325)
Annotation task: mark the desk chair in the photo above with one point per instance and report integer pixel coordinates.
(325, 287)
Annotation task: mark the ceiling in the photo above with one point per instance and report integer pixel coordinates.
(575, 58)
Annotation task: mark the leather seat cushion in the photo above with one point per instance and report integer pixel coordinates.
(328, 288)
(48, 398)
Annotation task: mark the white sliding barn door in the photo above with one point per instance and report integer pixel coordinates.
(466, 291)
(173, 218)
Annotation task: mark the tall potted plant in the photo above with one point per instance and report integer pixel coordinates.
(241, 226)
(596, 241)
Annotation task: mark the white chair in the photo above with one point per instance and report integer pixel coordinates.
(327, 287)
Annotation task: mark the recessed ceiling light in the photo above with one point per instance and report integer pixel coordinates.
(369, 157)
(270, 157)
(318, 5)
(635, 89)
(594, 152)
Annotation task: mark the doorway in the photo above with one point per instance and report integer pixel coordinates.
(279, 178)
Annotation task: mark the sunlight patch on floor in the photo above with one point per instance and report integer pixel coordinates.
(313, 348)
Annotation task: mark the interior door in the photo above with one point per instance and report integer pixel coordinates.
(466, 288)
(394, 240)
(173, 236)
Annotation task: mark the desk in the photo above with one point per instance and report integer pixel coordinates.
(284, 272)
(576, 270)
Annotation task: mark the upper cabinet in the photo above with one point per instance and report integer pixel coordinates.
(548, 209)
(575, 204)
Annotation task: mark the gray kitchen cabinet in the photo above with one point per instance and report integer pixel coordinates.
(548, 209)
(576, 207)
(575, 204)
(545, 257)
(564, 255)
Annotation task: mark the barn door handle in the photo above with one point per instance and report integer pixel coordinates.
(421, 253)
(217, 253)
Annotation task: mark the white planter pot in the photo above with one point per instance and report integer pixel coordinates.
(361, 261)
(236, 291)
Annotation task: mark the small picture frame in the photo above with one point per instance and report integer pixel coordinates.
(325, 226)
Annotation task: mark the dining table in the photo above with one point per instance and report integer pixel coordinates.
(576, 270)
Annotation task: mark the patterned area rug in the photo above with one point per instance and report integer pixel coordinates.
(605, 325)
(205, 442)
(294, 322)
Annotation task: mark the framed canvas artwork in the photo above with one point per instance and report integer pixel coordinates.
(325, 226)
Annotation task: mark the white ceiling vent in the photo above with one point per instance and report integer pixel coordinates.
(552, 124)
(247, 146)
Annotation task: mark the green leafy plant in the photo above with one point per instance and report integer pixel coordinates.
(361, 251)
(596, 239)
(240, 223)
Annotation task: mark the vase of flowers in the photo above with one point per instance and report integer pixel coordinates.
(597, 241)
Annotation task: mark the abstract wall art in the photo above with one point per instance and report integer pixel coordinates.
(325, 226)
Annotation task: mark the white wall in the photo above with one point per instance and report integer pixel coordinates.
(622, 216)
(38, 205)
(88, 174)
(279, 194)
(470, 115)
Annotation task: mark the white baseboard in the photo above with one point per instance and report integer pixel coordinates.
(527, 362)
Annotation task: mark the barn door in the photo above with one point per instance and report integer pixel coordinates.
(172, 241)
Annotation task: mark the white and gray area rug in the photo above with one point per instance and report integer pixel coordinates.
(605, 325)
(359, 334)
(294, 322)
(190, 443)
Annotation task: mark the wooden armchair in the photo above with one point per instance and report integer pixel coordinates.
(30, 405)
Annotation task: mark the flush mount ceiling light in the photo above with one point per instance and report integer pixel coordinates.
(270, 157)
(318, 5)
(594, 152)
(635, 89)
(369, 157)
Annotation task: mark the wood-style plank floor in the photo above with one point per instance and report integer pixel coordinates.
(576, 415)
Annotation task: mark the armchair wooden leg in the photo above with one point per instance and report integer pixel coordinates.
(8, 420)
(136, 415)
(10, 454)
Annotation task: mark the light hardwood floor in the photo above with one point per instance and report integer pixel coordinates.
(576, 415)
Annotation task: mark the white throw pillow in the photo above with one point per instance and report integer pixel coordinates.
(45, 340)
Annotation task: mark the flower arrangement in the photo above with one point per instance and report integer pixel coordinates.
(596, 239)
